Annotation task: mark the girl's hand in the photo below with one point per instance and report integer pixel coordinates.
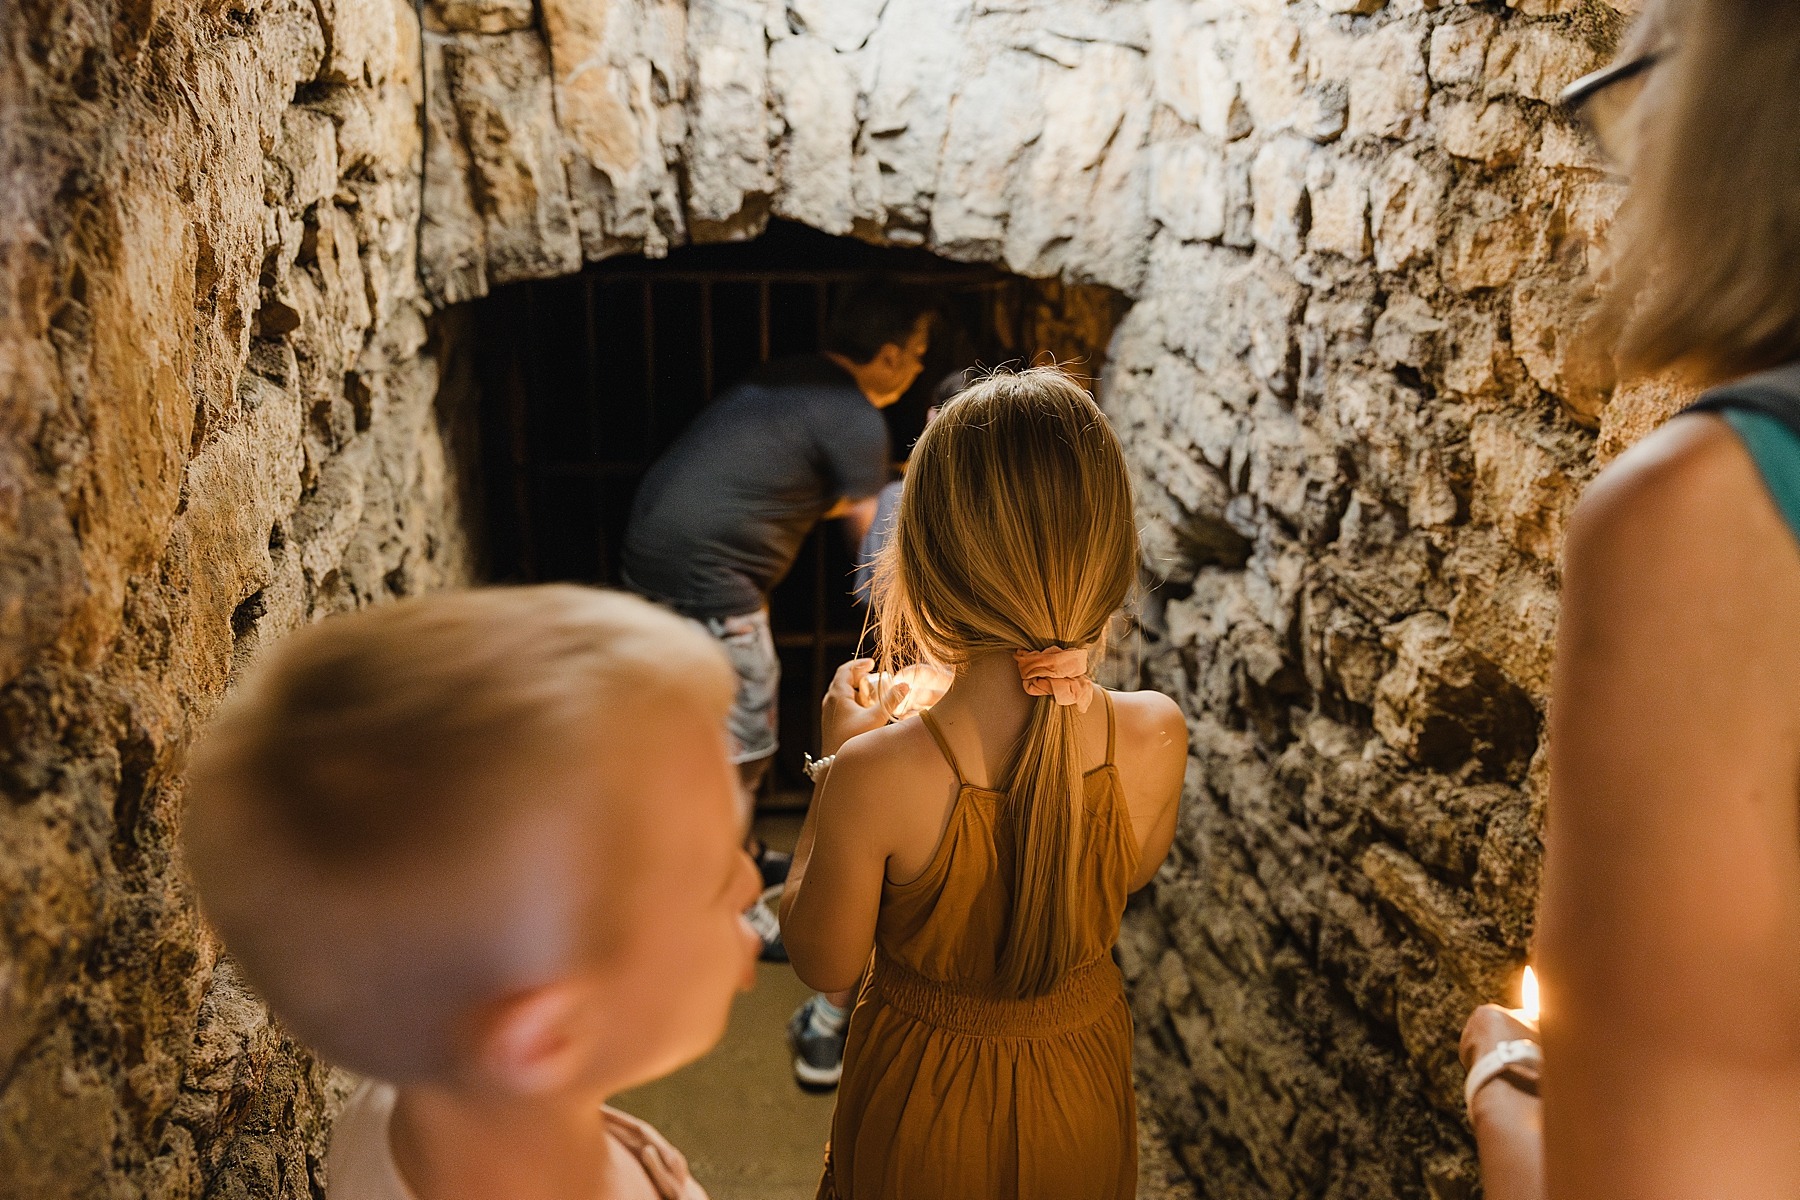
(844, 714)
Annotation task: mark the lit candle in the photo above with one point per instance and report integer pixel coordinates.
(1528, 996)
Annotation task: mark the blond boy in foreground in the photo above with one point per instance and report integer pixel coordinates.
(484, 849)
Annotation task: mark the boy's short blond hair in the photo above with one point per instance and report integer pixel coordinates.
(378, 757)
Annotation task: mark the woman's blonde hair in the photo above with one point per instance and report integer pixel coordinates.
(1705, 258)
(1016, 532)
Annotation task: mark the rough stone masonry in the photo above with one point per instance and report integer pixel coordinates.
(1354, 233)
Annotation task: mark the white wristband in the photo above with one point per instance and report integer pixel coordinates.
(1520, 1052)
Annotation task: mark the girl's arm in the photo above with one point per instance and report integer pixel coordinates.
(1152, 762)
(833, 892)
(1669, 939)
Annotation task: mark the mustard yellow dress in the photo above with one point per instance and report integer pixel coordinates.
(952, 1091)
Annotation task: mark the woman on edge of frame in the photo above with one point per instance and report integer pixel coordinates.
(1669, 930)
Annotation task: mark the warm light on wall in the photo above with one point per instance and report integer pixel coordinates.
(1528, 996)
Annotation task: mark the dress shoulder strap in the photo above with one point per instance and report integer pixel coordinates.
(937, 735)
(1112, 729)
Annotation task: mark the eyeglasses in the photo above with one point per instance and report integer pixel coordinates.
(1601, 102)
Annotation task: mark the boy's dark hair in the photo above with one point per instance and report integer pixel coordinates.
(873, 312)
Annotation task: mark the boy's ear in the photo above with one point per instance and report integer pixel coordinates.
(531, 1042)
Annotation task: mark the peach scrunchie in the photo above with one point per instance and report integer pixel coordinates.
(1057, 672)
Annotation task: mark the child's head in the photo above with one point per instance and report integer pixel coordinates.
(1016, 532)
(485, 839)
(1016, 528)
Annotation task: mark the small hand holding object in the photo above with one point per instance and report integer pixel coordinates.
(853, 704)
(1501, 1043)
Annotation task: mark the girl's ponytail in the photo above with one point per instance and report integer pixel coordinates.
(1044, 809)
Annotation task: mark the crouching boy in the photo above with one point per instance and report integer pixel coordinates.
(484, 849)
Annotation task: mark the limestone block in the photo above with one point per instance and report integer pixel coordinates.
(1474, 343)
(1290, 469)
(1511, 620)
(727, 151)
(1324, 111)
(1459, 48)
(1493, 134)
(1388, 84)
(1352, 653)
(1493, 241)
(621, 73)
(1338, 193)
(920, 52)
(480, 16)
(844, 25)
(506, 118)
(1272, 301)
(1408, 331)
(1188, 188)
(1549, 336)
(452, 234)
(1536, 61)
(1274, 78)
(1565, 145)
(1089, 206)
(1432, 503)
(1637, 408)
(1404, 200)
(360, 39)
(1523, 486)
(1278, 188)
(1443, 706)
(815, 95)
(1192, 73)
(304, 168)
(1112, 247)
(996, 120)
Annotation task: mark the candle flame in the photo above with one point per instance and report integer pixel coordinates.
(1528, 995)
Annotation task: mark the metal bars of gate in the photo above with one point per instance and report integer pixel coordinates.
(820, 641)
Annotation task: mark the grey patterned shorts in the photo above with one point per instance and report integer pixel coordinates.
(751, 647)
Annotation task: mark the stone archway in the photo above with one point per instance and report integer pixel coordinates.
(1349, 229)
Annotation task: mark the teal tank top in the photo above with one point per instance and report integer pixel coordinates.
(1776, 450)
(1764, 410)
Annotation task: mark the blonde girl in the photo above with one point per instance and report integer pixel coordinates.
(975, 860)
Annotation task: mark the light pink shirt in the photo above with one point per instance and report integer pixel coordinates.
(360, 1163)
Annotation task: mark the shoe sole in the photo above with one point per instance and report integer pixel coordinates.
(771, 900)
(816, 1079)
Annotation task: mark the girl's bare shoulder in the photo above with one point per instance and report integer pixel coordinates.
(893, 760)
(1152, 749)
(1151, 726)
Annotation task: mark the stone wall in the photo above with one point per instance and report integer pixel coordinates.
(1354, 233)
(217, 421)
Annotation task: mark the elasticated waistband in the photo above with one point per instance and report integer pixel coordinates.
(1081, 999)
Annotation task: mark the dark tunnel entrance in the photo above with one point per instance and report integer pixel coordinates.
(587, 379)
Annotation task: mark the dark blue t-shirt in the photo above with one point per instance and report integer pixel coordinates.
(721, 515)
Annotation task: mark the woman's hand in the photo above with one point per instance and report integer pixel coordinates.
(844, 714)
(1490, 1025)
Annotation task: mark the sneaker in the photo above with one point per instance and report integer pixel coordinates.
(762, 918)
(774, 864)
(818, 1057)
